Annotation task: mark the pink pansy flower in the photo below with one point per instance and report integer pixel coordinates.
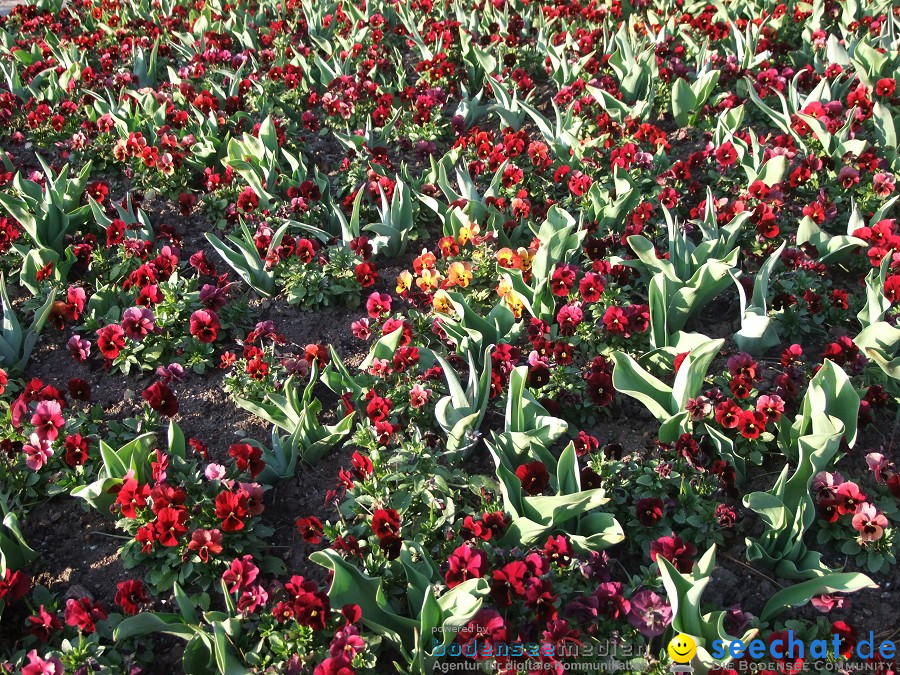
(252, 599)
(878, 463)
(649, 613)
(380, 368)
(771, 406)
(38, 452)
(241, 574)
(174, 372)
(138, 323)
(883, 184)
(347, 643)
(378, 304)
(48, 420)
(361, 329)
(214, 472)
(869, 522)
(825, 484)
(38, 666)
(418, 396)
(825, 602)
(79, 348)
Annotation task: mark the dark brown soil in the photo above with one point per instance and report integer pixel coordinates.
(77, 547)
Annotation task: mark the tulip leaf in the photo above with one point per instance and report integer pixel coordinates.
(801, 593)
(629, 378)
(146, 623)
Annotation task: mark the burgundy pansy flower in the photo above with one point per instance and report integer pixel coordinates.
(130, 595)
(466, 562)
(205, 543)
(310, 529)
(674, 549)
(534, 477)
(247, 458)
(161, 399)
(649, 511)
(204, 325)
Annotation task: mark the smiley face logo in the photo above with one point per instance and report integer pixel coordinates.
(682, 648)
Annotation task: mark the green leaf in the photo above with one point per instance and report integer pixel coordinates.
(226, 658)
(14, 551)
(757, 334)
(691, 374)
(153, 622)
(567, 474)
(112, 463)
(875, 562)
(629, 378)
(177, 444)
(97, 494)
(197, 658)
(773, 170)
(683, 102)
(384, 348)
(685, 593)
(188, 612)
(832, 249)
(799, 594)
(885, 126)
(16, 343)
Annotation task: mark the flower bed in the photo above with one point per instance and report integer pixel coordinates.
(519, 336)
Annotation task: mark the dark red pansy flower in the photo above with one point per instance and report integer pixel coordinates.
(752, 423)
(674, 549)
(352, 613)
(161, 399)
(204, 325)
(241, 574)
(311, 608)
(110, 340)
(130, 595)
(585, 444)
(728, 414)
(83, 613)
(534, 477)
(790, 662)
(558, 549)
(366, 274)
(248, 200)
(649, 511)
(43, 624)
(390, 546)
(508, 583)
(886, 87)
(231, 509)
(247, 458)
(386, 523)
(310, 529)
(847, 635)
(131, 497)
(590, 479)
(205, 543)
(14, 585)
(362, 466)
(466, 562)
(76, 450)
(79, 389)
(726, 155)
(170, 525)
